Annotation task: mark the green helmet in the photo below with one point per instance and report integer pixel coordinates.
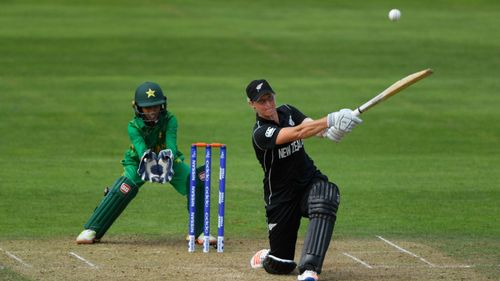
(146, 95)
(149, 94)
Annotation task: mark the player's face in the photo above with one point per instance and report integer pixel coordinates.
(151, 113)
(265, 106)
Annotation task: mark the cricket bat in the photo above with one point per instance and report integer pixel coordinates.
(392, 90)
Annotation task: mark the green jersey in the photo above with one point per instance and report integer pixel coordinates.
(163, 135)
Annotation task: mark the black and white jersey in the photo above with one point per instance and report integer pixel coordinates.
(287, 167)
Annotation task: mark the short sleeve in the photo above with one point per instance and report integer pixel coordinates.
(297, 116)
(264, 137)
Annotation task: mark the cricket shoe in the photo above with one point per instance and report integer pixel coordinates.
(199, 241)
(308, 275)
(211, 240)
(86, 237)
(259, 257)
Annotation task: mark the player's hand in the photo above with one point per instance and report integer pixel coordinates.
(333, 134)
(343, 120)
(166, 165)
(148, 167)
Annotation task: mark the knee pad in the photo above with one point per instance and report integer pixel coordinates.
(274, 265)
(324, 200)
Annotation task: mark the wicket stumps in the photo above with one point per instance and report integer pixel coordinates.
(222, 193)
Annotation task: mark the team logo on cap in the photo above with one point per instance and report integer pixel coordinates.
(125, 188)
(150, 93)
(259, 86)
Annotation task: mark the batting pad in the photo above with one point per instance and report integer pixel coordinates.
(111, 206)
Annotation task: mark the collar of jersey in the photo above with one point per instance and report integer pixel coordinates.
(280, 111)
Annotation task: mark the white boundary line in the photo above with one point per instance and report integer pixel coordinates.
(406, 251)
(16, 258)
(82, 259)
(358, 260)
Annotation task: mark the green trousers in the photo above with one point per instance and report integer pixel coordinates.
(112, 205)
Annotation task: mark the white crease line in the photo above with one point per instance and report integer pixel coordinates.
(406, 251)
(358, 260)
(455, 266)
(373, 252)
(422, 266)
(16, 258)
(82, 259)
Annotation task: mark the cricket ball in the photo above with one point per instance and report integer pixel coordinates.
(394, 14)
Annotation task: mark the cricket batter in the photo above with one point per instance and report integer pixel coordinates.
(293, 186)
(153, 156)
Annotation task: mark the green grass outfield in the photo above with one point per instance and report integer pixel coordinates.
(424, 165)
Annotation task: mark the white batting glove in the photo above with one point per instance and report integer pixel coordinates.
(334, 134)
(343, 120)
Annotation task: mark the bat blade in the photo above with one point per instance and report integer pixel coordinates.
(393, 89)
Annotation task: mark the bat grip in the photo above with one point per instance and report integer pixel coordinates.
(356, 112)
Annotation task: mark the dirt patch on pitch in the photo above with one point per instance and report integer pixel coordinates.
(140, 259)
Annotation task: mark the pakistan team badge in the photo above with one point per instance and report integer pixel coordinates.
(150, 93)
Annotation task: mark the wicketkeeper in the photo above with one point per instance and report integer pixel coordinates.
(293, 186)
(153, 156)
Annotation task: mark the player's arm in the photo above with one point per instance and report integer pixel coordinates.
(171, 134)
(306, 129)
(137, 139)
(166, 156)
(147, 157)
(309, 119)
(338, 123)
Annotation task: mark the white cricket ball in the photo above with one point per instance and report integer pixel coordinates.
(394, 14)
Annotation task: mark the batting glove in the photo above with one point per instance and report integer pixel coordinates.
(334, 134)
(343, 120)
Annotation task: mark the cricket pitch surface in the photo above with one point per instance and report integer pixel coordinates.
(135, 258)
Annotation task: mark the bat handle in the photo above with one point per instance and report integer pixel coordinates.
(356, 112)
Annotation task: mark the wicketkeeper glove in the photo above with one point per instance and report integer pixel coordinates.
(166, 165)
(148, 167)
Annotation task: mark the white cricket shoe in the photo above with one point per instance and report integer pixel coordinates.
(212, 240)
(258, 258)
(86, 237)
(308, 275)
